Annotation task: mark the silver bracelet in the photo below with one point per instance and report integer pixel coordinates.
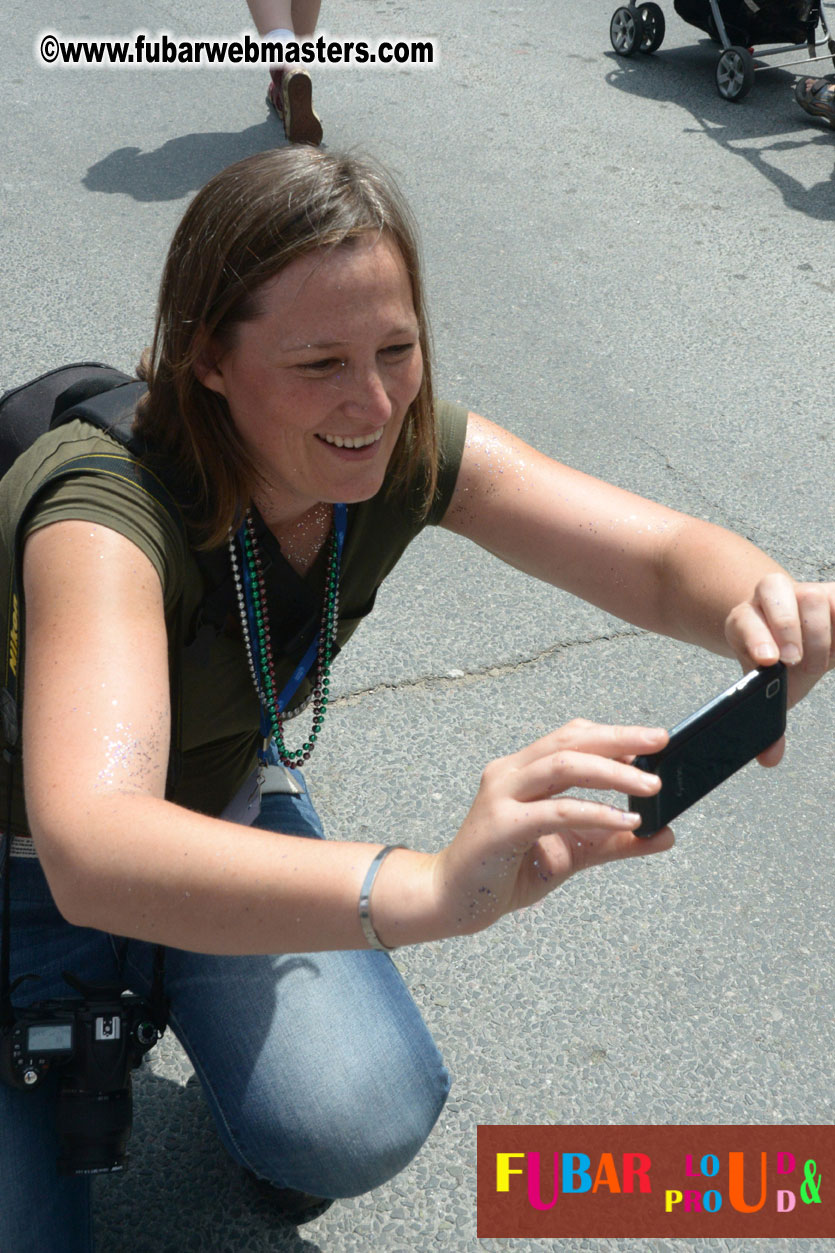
(367, 925)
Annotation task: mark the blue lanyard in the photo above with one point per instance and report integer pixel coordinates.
(268, 755)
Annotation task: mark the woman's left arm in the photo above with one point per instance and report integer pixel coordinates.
(638, 560)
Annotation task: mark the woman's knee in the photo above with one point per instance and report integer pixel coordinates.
(349, 1143)
(332, 1086)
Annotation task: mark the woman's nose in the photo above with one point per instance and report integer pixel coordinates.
(364, 389)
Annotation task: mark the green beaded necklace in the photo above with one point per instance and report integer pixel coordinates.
(255, 623)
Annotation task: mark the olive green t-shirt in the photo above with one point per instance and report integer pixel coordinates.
(220, 710)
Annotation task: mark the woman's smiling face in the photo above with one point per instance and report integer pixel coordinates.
(319, 382)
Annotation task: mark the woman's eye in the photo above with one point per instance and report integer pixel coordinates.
(329, 365)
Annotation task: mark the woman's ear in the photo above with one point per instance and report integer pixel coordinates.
(207, 366)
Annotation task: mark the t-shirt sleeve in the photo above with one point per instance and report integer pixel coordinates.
(452, 435)
(125, 507)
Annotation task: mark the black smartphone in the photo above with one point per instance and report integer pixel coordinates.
(712, 744)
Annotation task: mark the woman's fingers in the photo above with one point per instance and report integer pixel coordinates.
(559, 771)
(816, 607)
(787, 621)
(572, 813)
(554, 858)
(777, 601)
(749, 634)
(795, 621)
(773, 755)
(596, 849)
(526, 831)
(583, 736)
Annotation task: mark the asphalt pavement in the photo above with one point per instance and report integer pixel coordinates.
(636, 277)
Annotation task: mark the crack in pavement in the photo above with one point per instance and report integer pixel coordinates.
(458, 677)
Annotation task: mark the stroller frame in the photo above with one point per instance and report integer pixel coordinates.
(640, 27)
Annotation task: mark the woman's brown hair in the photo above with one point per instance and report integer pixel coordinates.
(243, 228)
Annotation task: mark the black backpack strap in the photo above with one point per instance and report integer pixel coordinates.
(27, 411)
(104, 404)
(86, 387)
(126, 468)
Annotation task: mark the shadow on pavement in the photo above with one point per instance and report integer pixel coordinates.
(181, 1192)
(685, 77)
(181, 165)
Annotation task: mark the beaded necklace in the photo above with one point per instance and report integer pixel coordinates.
(255, 625)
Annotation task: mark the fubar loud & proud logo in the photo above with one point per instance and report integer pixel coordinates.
(656, 1181)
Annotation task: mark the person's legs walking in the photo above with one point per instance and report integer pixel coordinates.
(290, 91)
(297, 16)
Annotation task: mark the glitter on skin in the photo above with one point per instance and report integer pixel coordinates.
(121, 755)
(489, 450)
(301, 541)
(128, 760)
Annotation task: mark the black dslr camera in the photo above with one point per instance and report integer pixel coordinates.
(93, 1045)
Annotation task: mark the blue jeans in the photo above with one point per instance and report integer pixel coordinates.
(319, 1071)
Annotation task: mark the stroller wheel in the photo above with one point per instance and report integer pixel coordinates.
(626, 31)
(735, 73)
(652, 17)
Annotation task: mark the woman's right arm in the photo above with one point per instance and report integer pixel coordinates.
(121, 858)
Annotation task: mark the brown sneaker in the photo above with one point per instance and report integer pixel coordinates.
(291, 94)
(817, 96)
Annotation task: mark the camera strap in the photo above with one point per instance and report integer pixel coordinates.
(157, 999)
(6, 1011)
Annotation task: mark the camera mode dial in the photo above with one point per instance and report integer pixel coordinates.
(146, 1034)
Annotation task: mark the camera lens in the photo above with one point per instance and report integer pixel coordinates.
(93, 1129)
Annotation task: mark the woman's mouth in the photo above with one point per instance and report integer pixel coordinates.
(353, 441)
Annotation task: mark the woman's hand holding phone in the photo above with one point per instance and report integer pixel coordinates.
(528, 830)
(525, 834)
(790, 622)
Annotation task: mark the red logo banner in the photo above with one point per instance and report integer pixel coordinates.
(656, 1181)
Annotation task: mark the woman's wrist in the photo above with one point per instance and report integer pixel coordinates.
(372, 938)
(404, 907)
